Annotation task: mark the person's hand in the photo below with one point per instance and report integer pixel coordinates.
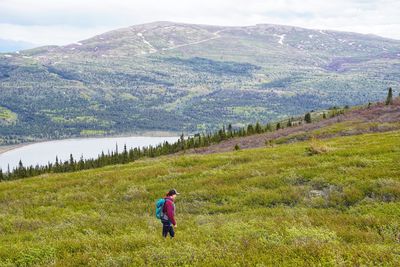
(175, 226)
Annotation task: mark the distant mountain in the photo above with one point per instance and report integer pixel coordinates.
(13, 46)
(183, 77)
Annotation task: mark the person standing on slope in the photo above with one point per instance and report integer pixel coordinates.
(168, 217)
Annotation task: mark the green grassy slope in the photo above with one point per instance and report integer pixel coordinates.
(265, 206)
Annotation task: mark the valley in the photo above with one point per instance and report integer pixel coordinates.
(167, 76)
(199, 133)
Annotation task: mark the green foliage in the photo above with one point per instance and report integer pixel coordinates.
(196, 141)
(389, 99)
(7, 116)
(317, 147)
(272, 206)
(92, 132)
(191, 78)
(307, 117)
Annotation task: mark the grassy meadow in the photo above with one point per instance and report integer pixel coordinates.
(331, 202)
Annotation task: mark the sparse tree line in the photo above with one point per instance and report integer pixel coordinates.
(192, 142)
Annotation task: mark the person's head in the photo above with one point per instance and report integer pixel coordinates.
(172, 193)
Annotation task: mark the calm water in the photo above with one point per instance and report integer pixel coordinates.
(42, 153)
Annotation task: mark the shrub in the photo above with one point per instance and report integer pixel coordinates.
(307, 118)
(317, 147)
(352, 195)
(302, 235)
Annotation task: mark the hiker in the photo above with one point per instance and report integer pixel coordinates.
(167, 215)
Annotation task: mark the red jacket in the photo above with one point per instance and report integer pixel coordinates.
(169, 209)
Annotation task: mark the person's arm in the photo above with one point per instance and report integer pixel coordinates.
(170, 212)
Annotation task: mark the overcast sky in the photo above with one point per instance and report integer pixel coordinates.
(67, 21)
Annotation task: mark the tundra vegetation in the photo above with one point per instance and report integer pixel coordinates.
(318, 202)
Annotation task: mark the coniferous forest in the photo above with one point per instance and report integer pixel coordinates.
(184, 143)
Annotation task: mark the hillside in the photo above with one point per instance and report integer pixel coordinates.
(372, 118)
(183, 77)
(275, 205)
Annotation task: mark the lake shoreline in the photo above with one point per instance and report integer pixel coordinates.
(4, 149)
(7, 148)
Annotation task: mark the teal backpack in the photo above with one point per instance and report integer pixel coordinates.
(159, 208)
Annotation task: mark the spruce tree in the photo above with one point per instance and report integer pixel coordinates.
(389, 99)
(222, 133)
(230, 130)
(307, 118)
(258, 128)
(182, 140)
(70, 166)
(125, 155)
(1, 175)
(21, 170)
(81, 164)
(250, 129)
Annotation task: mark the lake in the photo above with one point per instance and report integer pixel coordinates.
(44, 152)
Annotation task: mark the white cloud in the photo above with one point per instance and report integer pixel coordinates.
(64, 21)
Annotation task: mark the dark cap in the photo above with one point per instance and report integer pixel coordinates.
(173, 192)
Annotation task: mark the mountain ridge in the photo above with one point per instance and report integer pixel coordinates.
(158, 24)
(164, 23)
(178, 77)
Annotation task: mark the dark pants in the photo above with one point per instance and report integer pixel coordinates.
(167, 228)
